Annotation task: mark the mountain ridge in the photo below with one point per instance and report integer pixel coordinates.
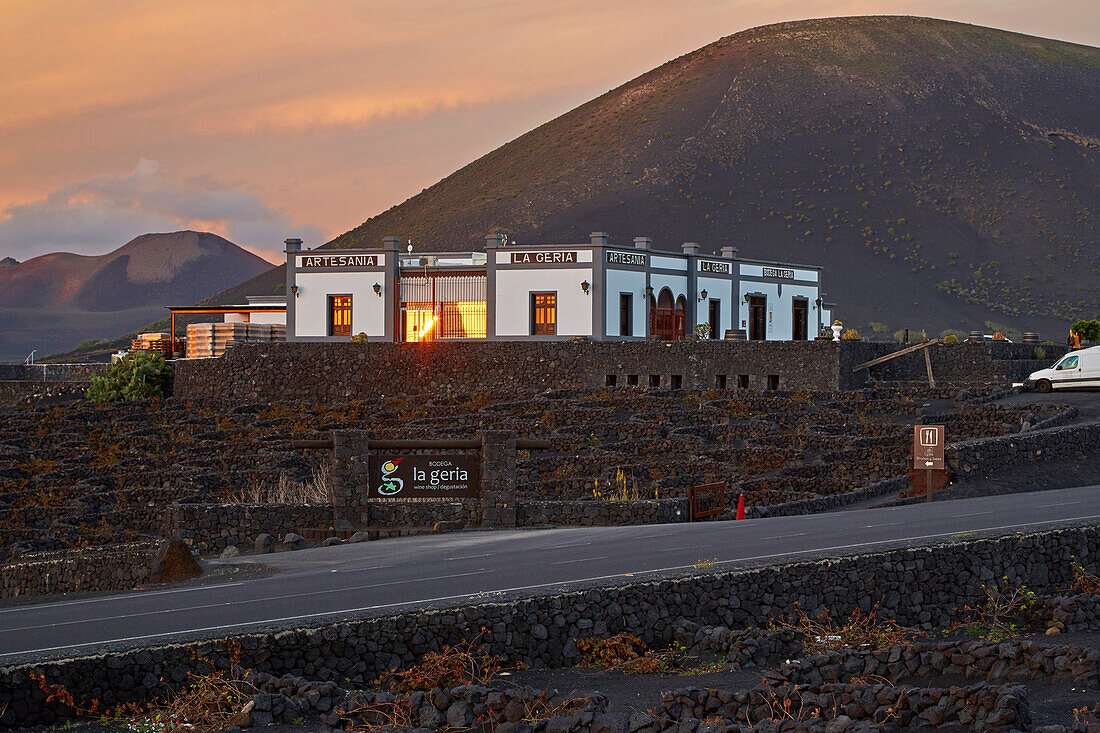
(55, 300)
(945, 174)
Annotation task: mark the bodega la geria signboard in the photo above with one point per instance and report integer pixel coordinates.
(440, 476)
(928, 447)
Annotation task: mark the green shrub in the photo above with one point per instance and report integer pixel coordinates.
(951, 339)
(850, 335)
(89, 343)
(1089, 330)
(360, 338)
(1038, 353)
(134, 377)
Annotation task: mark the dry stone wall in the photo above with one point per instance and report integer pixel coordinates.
(318, 372)
(119, 567)
(602, 513)
(214, 527)
(916, 586)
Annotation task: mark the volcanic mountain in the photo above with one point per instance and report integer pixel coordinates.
(53, 301)
(946, 175)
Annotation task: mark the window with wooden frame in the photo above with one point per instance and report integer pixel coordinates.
(544, 314)
(339, 319)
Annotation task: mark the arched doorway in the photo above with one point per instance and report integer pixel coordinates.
(666, 316)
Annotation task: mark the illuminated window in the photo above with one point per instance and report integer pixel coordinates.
(544, 314)
(339, 320)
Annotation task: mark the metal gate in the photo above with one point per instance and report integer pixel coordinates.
(441, 305)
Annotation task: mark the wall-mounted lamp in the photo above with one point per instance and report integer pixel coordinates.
(703, 295)
(584, 287)
(747, 297)
(817, 304)
(648, 291)
(378, 290)
(294, 289)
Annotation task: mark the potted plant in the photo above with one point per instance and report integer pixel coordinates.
(837, 328)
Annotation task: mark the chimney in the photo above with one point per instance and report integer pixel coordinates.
(492, 241)
(691, 248)
(600, 239)
(293, 244)
(730, 253)
(392, 244)
(642, 242)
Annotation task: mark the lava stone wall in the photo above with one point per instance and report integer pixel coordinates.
(72, 571)
(916, 586)
(602, 513)
(51, 372)
(213, 527)
(318, 372)
(13, 393)
(957, 364)
(1069, 441)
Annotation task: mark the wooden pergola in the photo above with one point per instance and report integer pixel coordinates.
(214, 310)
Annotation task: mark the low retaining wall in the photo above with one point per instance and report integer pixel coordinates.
(602, 513)
(992, 661)
(214, 527)
(71, 571)
(14, 393)
(51, 372)
(979, 707)
(1032, 445)
(916, 586)
(320, 372)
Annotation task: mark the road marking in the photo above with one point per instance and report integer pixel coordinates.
(973, 514)
(1064, 503)
(583, 559)
(890, 524)
(360, 570)
(785, 536)
(467, 557)
(422, 601)
(242, 602)
(21, 609)
(558, 547)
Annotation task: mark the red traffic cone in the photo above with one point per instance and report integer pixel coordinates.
(741, 507)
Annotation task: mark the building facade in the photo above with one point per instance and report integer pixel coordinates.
(595, 290)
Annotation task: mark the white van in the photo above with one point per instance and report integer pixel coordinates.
(1076, 369)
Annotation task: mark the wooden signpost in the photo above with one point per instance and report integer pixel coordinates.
(928, 452)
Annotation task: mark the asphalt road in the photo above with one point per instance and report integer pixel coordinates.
(371, 578)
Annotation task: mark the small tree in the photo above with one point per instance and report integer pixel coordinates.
(134, 377)
(1089, 330)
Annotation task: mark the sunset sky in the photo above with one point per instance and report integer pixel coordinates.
(264, 119)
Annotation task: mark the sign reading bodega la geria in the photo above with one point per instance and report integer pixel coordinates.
(441, 476)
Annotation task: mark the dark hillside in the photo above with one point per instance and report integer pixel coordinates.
(946, 174)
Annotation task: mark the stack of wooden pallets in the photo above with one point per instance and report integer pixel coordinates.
(155, 342)
(211, 339)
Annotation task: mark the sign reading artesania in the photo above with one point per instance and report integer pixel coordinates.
(626, 258)
(543, 258)
(447, 476)
(345, 261)
(722, 268)
(777, 272)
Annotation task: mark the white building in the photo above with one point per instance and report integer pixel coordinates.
(595, 290)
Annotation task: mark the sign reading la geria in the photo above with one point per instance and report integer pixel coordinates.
(442, 476)
(309, 262)
(543, 258)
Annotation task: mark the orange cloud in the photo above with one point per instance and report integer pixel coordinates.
(276, 97)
